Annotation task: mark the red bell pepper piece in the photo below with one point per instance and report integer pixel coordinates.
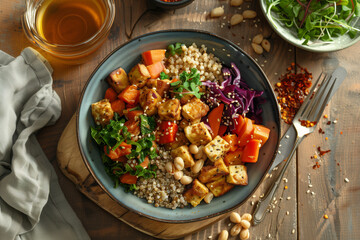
(166, 132)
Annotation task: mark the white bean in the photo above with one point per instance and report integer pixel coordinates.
(169, 167)
(244, 234)
(257, 48)
(217, 12)
(197, 166)
(200, 154)
(249, 14)
(235, 230)
(185, 180)
(224, 234)
(178, 175)
(193, 149)
(258, 39)
(179, 163)
(236, 19)
(208, 197)
(266, 45)
(236, 3)
(235, 217)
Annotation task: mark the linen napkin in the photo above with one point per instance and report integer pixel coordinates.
(32, 205)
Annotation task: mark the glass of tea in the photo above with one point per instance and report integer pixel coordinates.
(68, 28)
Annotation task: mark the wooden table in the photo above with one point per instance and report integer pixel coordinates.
(299, 215)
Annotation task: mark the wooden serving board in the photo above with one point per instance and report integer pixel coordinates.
(71, 164)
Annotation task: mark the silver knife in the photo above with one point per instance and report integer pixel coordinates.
(288, 139)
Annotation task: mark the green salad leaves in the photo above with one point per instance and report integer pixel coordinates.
(317, 20)
(113, 134)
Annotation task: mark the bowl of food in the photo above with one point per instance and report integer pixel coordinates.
(170, 4)
(178, 126)
(316, 26)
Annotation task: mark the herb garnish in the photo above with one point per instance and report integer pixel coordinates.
(112, 134)
(163, 76)
(316, 20)
(173, 49)
(189, 82)
(147, 124)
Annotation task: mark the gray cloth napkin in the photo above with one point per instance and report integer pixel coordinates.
(32, 205)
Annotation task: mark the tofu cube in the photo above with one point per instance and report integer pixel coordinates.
(217, 148)
(170, 110)
(149, 99)
(138, 75)
(219, 187)
(185, 154)
(195, 109)
(198, 134)
(196, 193)
(118, 80)
(237, 175)
(102, 112)
(212, 173)
(161, 86)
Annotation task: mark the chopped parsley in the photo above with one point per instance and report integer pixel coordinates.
(113, 134)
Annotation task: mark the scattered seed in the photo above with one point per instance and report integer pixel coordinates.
(257, 48)
(258, 39)
(287, 213)
(236, 19)
(326, 216)
(236, 3)
(293, 231)
(249, 14)
(346, 180)
(266, 45)
(288, 198)
(217, 12)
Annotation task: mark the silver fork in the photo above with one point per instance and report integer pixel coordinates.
(311, 110)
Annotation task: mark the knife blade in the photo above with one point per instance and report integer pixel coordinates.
(288, 139)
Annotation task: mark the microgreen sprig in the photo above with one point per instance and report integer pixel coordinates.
(188, 84)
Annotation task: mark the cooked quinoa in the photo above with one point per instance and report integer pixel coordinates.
(207, 64)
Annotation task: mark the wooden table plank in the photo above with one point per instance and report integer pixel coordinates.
(332, 195)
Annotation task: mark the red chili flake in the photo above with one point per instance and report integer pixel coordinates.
(317, 165)
(321, 152)
(321, 131)
(292, 89)
(306, 123)
(328, 123)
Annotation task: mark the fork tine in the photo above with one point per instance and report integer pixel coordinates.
(325, 102)
(309, 97)
(317, 99)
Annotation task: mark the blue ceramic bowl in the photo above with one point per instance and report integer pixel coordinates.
(127, 56)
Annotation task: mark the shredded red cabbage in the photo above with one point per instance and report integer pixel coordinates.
(239, 99)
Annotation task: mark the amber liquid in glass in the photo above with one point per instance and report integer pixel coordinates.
(69, 22)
